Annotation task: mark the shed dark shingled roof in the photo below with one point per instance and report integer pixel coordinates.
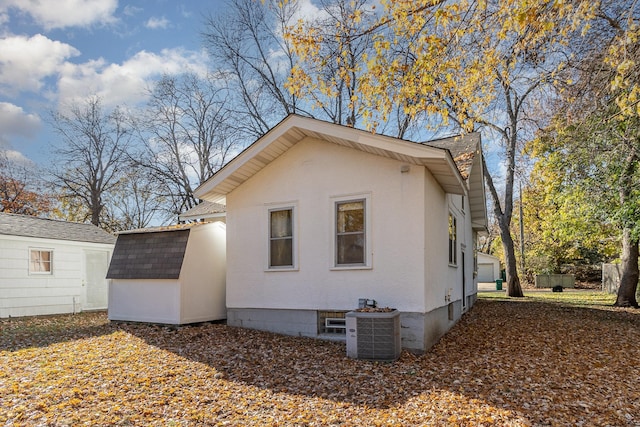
(149, 254)
(31, 226)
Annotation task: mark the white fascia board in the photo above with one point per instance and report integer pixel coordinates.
(241, 159)
(420, 152)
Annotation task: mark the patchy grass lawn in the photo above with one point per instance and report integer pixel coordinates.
(505, 363)
(569, 297)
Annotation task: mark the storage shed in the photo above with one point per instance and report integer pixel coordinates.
(51, 267)
(170, 275)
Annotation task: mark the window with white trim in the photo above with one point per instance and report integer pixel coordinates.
(281, 243)
(351, 238)
(40, 261)
(453, 239)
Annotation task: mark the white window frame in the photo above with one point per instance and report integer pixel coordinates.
(335, 200)
(294, 238)
(39, 272)
(452, 251)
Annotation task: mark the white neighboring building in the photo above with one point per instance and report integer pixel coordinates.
(51, 267)
(488, 268)
(320, 216)
(172, 275)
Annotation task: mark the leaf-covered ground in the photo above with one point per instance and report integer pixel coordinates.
(505, 363)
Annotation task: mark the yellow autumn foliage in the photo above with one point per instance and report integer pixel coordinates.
(430, 55)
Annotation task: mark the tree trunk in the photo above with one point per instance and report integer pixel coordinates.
(629, 277)
(630, 273)
(513, 281)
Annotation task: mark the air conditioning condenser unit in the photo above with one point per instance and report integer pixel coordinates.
(373, 335)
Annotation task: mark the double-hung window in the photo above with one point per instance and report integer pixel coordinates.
(453, 240)
(281, 243)
(351, 238)
(40, 261)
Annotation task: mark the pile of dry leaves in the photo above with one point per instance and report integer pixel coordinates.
(505, 363)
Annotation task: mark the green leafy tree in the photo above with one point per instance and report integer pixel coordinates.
(598, 161)
(597, 132)
(562, 224)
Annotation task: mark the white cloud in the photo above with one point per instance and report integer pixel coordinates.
(17, 157)
(157, 23)
(65, 13)
(130, 10)
(307, 11)
(125, 83)
(26, 61)
(15, 121)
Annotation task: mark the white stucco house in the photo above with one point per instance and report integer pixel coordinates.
(51, 267)
(171, 275)
(320, 216)
(488, 267)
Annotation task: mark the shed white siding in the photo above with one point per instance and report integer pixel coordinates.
(203, 275)
(197, 295)
(66, 290)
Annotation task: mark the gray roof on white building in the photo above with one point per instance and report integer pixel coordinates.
(155, 253)
(43, 228)
(204, 210)
(463, 149)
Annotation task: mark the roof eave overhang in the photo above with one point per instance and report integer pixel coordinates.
(201, 216)
(477, 194)
(294, 129)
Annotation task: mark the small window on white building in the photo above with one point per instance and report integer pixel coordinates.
(281, 247)
(351, 239)
(453, 239)
(40, 261)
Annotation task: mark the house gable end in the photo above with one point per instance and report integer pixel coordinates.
(296, 128)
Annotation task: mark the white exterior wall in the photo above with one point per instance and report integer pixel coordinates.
(25, 294)
(444, 281)
(308, 176)
(203, 275)
(439, 277)
(145, 300)
(465, 243)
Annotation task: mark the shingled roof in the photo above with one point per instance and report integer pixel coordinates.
(149, 254)
(31, 226)
(204, 210)
(462, 148)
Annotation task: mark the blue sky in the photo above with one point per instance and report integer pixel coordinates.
(53, 52)
(56, 52)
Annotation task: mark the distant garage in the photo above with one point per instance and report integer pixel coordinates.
(169, 275)
(488, 268)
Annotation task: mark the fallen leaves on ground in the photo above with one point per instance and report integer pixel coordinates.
(505, 363)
